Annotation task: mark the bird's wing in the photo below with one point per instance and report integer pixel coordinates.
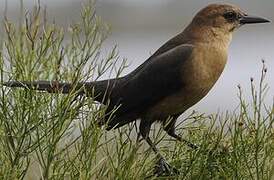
(170, 44)
(159, 78)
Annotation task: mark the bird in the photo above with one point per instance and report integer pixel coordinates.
(177, 76)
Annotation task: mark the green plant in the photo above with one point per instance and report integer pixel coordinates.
(37, 129)
(55, 136)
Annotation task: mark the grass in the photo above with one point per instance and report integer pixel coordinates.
(54, 136)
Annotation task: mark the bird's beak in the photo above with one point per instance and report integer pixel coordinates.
(252, 20)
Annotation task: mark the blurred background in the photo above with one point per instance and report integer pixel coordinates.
(139, 27)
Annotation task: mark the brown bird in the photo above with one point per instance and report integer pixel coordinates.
(178, 75)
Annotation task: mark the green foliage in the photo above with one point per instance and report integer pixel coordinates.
(232, 146)
(55, 136)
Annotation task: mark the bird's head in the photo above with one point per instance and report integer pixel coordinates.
(222, 19)
(226, 17)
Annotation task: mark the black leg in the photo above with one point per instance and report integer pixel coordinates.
(169, 127)
(162, 167)
(144, 132)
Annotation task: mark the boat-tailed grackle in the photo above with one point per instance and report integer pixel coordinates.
(178, 75)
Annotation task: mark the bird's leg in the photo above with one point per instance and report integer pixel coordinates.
(169, 127)
(144, 132)
(163, 167)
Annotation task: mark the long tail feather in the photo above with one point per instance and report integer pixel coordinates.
(100, 90)
(49, 86)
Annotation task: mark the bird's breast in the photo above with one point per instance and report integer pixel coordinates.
(198, 76)
(205, 68)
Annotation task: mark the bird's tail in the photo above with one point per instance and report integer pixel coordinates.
(49, 86)
(98, 89)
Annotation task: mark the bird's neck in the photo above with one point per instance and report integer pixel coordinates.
(209, 36)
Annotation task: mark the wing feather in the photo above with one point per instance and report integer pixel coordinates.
(159, 78)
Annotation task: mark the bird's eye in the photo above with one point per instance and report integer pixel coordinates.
(230, 16)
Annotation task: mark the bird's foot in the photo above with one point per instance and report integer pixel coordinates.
(164, 169)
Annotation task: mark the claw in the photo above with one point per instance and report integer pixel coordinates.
(164, 169)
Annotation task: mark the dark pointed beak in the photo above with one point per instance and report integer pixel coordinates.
(252, 20)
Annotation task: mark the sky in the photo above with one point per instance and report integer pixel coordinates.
(139, 27)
